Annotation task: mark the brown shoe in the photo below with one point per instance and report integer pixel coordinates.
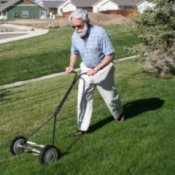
(121, 118)
(78, 133)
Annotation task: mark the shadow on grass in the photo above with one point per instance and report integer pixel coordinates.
(67, 150)
(4, 94)
(132, 109)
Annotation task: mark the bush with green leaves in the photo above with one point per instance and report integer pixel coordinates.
(156, 29)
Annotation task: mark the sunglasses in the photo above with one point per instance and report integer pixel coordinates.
(77, 27)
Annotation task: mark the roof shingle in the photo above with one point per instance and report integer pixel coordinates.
(8, 4)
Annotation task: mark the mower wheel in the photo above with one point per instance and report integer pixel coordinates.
(15, 143)
(49, 154)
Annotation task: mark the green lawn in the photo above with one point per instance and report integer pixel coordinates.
(142, 145)
(46, 54)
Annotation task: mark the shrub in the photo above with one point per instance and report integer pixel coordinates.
(156, 29)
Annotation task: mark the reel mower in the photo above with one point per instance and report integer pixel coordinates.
(46, 153)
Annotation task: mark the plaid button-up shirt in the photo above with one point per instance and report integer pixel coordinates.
(94, 48)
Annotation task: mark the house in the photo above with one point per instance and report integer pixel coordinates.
(144, 5)
(108, 5)
(127, 4)
(96, 6)
(51, 5)
(104, 5)
(23, 9)
(70, 5)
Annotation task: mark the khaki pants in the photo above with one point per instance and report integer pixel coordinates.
(104, 81)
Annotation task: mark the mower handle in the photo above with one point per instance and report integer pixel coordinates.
(58, 108)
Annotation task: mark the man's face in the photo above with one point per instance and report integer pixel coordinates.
(77, 24)
(80, 27)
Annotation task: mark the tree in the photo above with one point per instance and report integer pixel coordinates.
(156, 29)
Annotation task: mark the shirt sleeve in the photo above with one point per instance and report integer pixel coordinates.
(107, 44)
(73, 47)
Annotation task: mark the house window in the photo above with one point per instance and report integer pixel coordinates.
(25, 13)
(43, 14)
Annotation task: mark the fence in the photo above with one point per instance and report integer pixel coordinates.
(126, 12)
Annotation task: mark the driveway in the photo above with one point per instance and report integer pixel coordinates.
(10, 32)
(10, 35)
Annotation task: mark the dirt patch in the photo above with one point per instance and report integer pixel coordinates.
(41, 23)
(95, 18)
(103, 19)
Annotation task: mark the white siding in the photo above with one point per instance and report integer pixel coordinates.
(144, 6)
(3, 15)
(66, 7)
(104, 5)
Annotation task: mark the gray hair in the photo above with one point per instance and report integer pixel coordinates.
(79, 14)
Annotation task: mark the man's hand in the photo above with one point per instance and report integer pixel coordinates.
(69, 69)
(72, 64)
(91, 72)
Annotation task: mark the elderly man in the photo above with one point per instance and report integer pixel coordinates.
(92, 44)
